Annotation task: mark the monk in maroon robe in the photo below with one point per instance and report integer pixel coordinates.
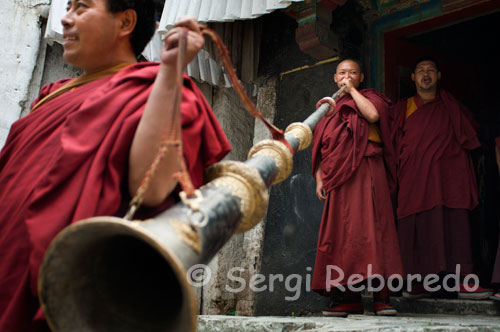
(437, 185)
(357, 233)
(87, 143)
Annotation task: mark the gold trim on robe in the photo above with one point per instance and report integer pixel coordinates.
(81, 80)
(374, 133)
(411, 107)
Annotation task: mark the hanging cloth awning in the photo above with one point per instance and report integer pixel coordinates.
(203, 68)
(218, 10)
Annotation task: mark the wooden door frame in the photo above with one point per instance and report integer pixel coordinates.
(393, 38)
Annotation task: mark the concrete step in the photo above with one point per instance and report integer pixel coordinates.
(421, 315)
(436, 306)
(447, 306)
(368, 323)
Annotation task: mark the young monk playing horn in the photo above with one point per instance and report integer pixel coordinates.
(357, 235)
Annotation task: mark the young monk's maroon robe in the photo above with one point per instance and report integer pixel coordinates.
(357, 226)
(68, 160)
(437, 184)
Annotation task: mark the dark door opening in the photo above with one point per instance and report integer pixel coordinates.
(465, 43)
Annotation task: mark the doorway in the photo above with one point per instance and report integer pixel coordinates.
(464, 42)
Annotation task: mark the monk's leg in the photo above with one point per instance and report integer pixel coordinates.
(458, 241)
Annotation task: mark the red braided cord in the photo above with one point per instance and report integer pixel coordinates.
(172, 137)
(174, 131)
(238, 87)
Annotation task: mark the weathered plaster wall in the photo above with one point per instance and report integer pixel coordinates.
(253, 240)
(55, 68)
(20, 37)
(238, 125)
(49, 68)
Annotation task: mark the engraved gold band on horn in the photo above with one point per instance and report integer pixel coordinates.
(302, 132)
(244, 183)
(278, 151)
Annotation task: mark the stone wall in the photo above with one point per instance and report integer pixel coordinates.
(20, 37)
(241, 255)
(49, 68)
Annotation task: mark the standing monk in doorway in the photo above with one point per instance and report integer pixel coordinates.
(88, 142)
(357, 236)
(437, 185)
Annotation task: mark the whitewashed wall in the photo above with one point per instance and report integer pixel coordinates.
(20, 37)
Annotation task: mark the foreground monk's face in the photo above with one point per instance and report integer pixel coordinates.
(426, 76)
(350, 70)
(90, 33)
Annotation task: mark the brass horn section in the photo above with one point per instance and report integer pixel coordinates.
(109, 274)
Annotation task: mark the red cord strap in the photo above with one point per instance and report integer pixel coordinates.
(276, 133)
(172, 136)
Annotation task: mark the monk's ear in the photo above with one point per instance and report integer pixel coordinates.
(128, 20)
(439, 75)
(361, 78)
(335, 78)
(413, 77)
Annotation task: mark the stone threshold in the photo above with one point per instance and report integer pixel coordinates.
(447, 306)
(402, 322)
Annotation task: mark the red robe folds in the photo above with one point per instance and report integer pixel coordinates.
(357, 226)
(433, 163)
(437, 184)
(68, 160)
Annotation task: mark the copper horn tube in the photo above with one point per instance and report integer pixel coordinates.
(110, 274)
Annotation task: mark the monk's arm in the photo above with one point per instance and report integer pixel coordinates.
(155, 119)
(365, 106)
(147, 140)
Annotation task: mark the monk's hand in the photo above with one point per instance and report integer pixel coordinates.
(320, 191)
(194, 41)
(348, 84)
(329, 101)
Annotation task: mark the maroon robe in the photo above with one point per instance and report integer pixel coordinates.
(357, 226)
(433, 163)
(68, 160)
(437, 184)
